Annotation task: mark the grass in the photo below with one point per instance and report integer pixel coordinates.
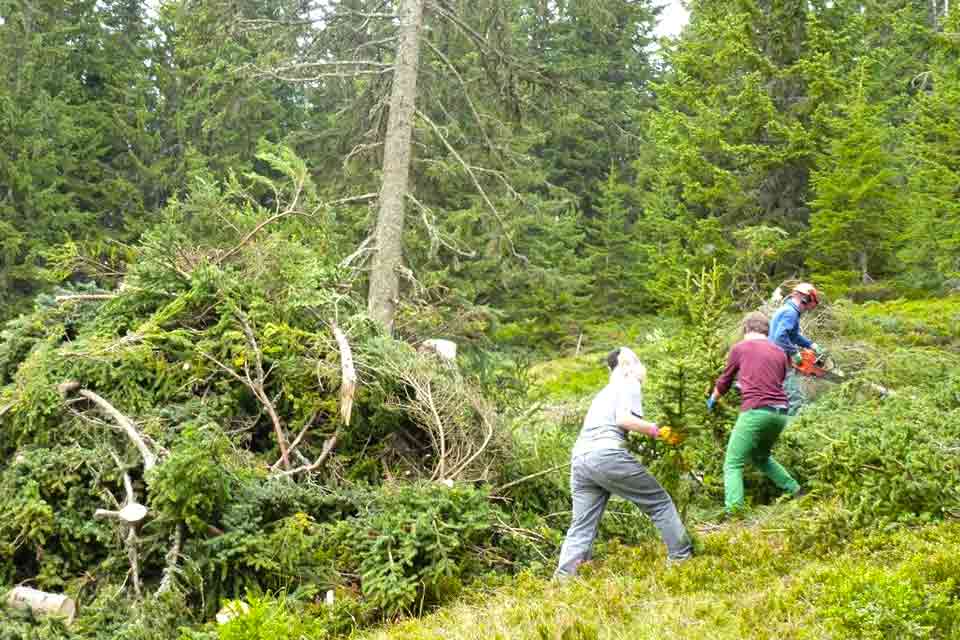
(747, 582)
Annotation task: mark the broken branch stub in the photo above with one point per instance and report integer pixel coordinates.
(348, 374)
(131, 513)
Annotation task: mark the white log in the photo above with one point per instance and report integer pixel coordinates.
(43, 603)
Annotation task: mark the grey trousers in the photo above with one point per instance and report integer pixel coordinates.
(596, 475)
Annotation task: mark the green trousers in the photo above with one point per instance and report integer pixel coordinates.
(751, 440)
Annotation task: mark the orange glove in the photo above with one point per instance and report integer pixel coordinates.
(668, 435)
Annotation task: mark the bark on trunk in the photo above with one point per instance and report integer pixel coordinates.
(384, 277)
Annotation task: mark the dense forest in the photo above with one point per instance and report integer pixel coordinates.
(232, 231)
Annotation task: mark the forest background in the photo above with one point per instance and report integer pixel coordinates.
(191, 198)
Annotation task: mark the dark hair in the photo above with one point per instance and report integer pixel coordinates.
(756, 322)
(613, 358)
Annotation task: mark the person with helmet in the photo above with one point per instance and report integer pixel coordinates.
(601, 465)
(785, 333)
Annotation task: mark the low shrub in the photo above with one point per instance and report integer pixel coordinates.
(413, 546)
(886, 460)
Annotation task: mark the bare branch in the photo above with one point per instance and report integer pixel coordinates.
(172, 556)
(501, 489)
(466, 93)
(324, 454)
(149, 458)
(435, 236)
(84, 296)
(476, 182)
(364, 248)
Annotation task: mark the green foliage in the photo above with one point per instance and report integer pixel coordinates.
(48, 497)
(853, 224)
(194, 483)
(411, 546)
(885, 461)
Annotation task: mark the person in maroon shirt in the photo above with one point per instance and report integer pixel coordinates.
(761, 366)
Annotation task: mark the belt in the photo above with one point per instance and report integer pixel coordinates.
(781, 410)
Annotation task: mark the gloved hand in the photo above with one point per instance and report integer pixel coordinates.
(711, 403)
(820, 351)
(797, 358)
(669, 436)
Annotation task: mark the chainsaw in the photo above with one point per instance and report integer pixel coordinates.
(823, 368)
(816, 366)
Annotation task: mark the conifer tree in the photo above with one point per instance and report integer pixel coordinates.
(854, 224)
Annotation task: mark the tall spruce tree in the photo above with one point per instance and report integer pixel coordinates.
(932, 212)
(855, 223)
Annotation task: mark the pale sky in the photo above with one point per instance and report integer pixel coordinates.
(672, 18)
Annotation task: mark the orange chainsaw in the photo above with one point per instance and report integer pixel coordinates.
(824, 368)
(816, 366)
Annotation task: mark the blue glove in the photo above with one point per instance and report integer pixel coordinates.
(711, 402)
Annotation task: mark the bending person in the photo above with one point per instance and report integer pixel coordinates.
(601, 466)
(761, 366)
(785, 333)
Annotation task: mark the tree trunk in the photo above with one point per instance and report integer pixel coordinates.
(864, 274)
(384, 277)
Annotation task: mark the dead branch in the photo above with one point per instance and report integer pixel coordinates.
(358, 149)
(364, 248)
(149, 458)
(352, 73)
(488, 423)
(134, 558)
(257, 386)
(350, 199)
(436, 238)
(476, 183)
(290, 210)
(296, 441)
(79, 297)
(446, 413)
(496, 492)
(173, 555)
(324, 454)
(466, 93)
